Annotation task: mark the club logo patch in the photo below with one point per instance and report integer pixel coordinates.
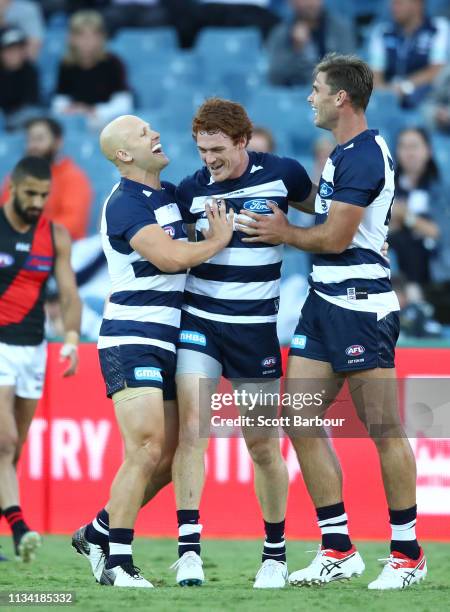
(325, 190)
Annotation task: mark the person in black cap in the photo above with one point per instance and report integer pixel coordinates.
(19, 88)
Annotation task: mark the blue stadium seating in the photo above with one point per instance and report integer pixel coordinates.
(144, 43)
(229, 49)
(287, 111)
(441, 151)
(11, 150)
(51, 54)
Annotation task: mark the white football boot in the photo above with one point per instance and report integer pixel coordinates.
(125, 575)
(189, 569)
(94, 553)
(27, 546)
(329, 565)
(400, 572)
(271, 575)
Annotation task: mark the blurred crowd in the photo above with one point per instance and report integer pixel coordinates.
(94, 77)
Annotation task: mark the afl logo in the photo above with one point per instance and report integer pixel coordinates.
(355, 349)
(325, 190)
(269, 361)
(259, 206)
(169, 230)
(6, 260)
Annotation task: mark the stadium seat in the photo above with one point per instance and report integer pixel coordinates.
(11, 150)
(286, 111)
(180, 167)
(144, 43)
(441, 152)
(50, 56)
(221, 50)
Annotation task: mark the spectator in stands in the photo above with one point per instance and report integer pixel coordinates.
(413, 231)
(237, 13)
(19, 88)
(91, 81)
(28, 17)
(437, 109)
(408, 52)
(71, 194)
(296, 46)
(416, 317)
(262, 140)
(134, 14)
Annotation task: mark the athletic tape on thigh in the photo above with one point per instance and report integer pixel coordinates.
(130, 393)
(194, 362)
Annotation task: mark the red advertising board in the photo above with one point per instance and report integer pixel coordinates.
(74, 449)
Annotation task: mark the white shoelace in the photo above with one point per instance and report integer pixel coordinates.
(269, 567)
(186, 559)
(389, 564)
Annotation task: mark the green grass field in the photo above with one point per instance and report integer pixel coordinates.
(230, 567)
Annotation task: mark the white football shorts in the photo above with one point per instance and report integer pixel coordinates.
(23, 367)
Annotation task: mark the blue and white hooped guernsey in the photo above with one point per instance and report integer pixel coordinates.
(241, 284)
(145, 303)
(359, 172)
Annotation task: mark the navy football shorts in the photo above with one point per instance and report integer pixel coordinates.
(243, 350)
(138, 365)
(348, 339)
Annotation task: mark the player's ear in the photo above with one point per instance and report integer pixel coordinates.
(341, 96)
(123, 156)
(242, 142)
(12, 189)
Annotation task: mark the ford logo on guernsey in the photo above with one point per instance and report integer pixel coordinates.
(259, 206)
(192, 337)
(148, 373)
(269, 361)
(6, 260)
(355, 349)
(325, 190)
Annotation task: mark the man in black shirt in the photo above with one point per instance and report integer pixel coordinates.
(19, 89)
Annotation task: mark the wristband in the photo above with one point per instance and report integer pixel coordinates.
(67, 349)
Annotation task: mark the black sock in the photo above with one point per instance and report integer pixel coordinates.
(403, 525)
(97, 532)
(16, 522)
(332, 521)
(274, 545)
(120, 540)
(188, 531)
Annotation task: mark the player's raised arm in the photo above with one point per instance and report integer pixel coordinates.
(69, 299)
(168, 255)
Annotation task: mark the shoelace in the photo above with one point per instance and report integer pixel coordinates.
(185, 559)
(132, 570)
(269, 568)
(319, 552)
(390, 563)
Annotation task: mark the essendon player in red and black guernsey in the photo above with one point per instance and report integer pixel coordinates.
(31, 249)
